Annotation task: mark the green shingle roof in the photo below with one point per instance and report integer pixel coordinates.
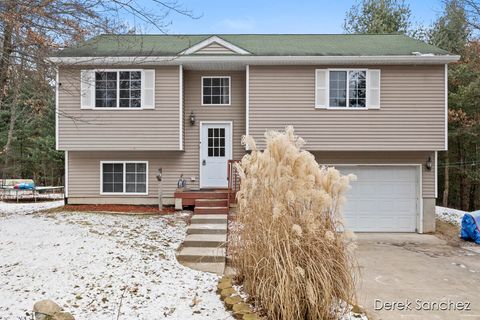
(256, 44)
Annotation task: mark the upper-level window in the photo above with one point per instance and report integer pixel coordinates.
(118, 89)
(215, 90)
(348, 88)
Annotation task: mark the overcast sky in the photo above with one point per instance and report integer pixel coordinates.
(278, 16)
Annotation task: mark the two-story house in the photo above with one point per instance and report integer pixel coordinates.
(372, 105)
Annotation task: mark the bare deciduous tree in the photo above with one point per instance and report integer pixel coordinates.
(30, 30)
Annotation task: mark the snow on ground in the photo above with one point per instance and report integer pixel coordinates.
(96, 264)
(7, 208)
(450, 215)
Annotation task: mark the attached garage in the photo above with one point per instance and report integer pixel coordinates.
(383, 199)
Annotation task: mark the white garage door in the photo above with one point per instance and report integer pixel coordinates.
(383, 199)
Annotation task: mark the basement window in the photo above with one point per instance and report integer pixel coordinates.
(124, 177)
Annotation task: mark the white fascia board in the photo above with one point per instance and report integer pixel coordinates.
(259, 60)
(214, 39)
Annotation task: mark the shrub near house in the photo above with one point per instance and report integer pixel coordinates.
(286, 249)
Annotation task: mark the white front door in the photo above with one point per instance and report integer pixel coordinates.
(215, 151)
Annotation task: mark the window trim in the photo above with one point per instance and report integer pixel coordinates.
(229, 91)
(118, 89)
(328, 107)
(124, 193)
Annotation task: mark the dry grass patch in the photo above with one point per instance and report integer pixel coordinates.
(449, 232)
(286, 248)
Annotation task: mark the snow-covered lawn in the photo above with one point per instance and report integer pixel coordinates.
(450, 215)
(7, 208)
(94, 265)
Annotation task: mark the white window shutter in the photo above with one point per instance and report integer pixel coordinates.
(148, 89)
(373, 89)
(87, 89)
(321, 88)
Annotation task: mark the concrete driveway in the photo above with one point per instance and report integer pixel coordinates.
(425, 277)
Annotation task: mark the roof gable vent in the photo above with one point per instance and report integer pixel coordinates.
(214, 45)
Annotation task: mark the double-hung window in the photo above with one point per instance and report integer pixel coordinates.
(118, 89)
(215, 90)
(347, 88)
(124, 177)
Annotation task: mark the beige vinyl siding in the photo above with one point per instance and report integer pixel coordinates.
(411, 116)
(84, 167)
(84, 171)
(387, 158)
(235, 113)
(155, 129)
(214, 48)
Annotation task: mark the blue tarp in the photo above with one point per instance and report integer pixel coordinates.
(24, 186)
(471, 227)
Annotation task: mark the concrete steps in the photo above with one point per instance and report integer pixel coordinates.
(212, 267)
(209, 218)
(207, 228)
(204, 247)
(205, 240)
(202, 254)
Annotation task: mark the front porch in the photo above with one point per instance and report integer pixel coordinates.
(205, 201)
(211, 200)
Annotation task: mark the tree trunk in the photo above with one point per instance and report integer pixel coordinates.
(446, 181)
(464, 183)
(7, 48)
(11, 128)
(473, 192)
(477, 197)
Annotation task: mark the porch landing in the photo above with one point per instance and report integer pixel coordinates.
(205, 201)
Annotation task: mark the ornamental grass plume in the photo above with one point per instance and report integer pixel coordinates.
(287, 249)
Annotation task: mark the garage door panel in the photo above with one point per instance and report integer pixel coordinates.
(367, 223)
(404, 174)
(405, 206)
(383, 199)
(381, 190)
(405, 223)
(405, 190)
(364, 176)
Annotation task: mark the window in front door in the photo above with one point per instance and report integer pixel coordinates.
(216, 142)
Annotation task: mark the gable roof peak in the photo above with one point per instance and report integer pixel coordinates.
(214, 40)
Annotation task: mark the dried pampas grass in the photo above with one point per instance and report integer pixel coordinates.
(287, 249)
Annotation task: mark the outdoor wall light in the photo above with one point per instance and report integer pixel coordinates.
(192, 118)
(428, 164)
